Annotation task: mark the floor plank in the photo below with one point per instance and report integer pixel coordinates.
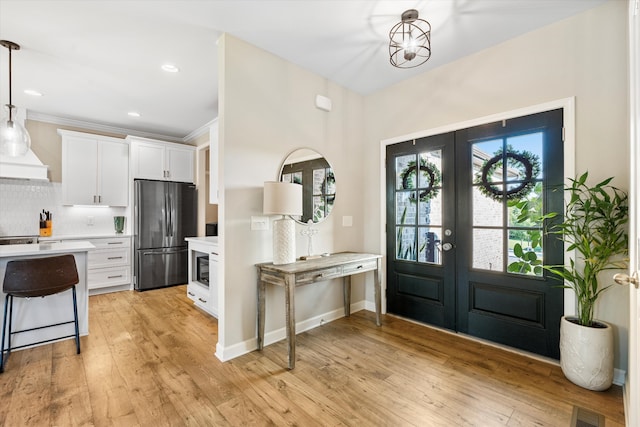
(149, 360)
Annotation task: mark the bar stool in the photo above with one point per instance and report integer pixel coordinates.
(38, 277)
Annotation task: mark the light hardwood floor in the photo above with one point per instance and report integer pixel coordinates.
(149, 360)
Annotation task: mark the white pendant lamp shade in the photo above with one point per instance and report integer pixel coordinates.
(14, 138)
(283, 198)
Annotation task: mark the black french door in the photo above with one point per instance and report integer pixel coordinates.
(465, 241)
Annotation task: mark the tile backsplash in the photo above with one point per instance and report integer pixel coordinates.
(21, 201)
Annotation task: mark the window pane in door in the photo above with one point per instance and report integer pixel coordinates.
(406, 172)
(406, 243)
(486, 211)
(406, 207)
(429, 245)
(488, 249)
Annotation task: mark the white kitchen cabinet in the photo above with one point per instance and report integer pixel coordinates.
(160, 160)
(109, 264)
(95, 170)
(204, 293)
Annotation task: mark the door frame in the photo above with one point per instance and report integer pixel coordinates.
(568, 108)
(632, 383)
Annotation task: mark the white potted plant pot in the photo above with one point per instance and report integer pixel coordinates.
(586, 354)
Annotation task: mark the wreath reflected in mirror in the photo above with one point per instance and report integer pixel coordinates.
(517, 162)
(432, 174)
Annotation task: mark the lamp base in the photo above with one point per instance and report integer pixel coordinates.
(284, 241)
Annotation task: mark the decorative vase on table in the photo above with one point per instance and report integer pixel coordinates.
(586, 353)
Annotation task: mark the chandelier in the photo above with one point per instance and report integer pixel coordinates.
(410, 41)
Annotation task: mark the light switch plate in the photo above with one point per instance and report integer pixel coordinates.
(259, 223)
(347, 221)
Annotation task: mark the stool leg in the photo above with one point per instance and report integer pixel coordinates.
(75, 318)
(4, 330)
(10, 324)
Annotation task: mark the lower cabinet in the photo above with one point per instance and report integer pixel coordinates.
(202, 288)
(109, 264)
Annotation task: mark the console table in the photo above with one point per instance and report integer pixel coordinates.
(299, 273)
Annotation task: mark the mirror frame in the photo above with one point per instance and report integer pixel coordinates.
(307, 192)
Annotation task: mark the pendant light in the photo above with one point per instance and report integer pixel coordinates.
(14, 138)
(410, 41)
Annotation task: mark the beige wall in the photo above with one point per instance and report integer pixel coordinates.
(584, 56)
(266, 111)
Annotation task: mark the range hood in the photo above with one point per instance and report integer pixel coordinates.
(28, 166)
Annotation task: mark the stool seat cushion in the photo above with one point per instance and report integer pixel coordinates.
(38, 277)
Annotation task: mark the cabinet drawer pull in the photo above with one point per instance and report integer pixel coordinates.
(114, 257)
(114, 243)
(114, 277)
(359, 267)
(192, 294)
(202, 300)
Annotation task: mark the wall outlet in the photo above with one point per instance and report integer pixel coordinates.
(90, 220)
(347, 221)
(259, 223)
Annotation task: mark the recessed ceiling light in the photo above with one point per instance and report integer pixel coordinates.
(32, 92)
(133, 114)
(169, 68)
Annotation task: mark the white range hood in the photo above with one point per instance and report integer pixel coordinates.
(28, 166)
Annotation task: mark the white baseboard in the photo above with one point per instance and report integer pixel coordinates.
(619, 376)
(244, 347)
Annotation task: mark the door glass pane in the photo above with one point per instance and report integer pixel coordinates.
(429, 245)
(488, 249)
(528, 146)
(406, 243)
(406, 172)
(406, 207)
(430, 169)
(525, 252)
(486, 211)
(526, 212)
(430, 211)
(318, 181)
(484, 151)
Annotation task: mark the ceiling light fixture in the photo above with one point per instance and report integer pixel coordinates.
(14, 138)
(410, 41)
(170, 68)
(133, 114)
(32, 92)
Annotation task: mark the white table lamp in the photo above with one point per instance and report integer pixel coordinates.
(283, 198)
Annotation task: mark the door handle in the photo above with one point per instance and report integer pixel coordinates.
(625, 279)
(447, 246)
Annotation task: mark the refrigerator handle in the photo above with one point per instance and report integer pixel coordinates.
(166, 214)
(170, 216)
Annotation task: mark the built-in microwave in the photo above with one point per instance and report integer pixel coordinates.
(202, 270)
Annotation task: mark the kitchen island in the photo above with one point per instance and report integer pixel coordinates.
(35, 312)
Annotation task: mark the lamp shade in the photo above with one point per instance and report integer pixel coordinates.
(282, 198)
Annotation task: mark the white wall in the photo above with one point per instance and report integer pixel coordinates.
(584, 56)
(266, 111)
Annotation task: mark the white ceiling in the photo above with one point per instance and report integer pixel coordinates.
(95, 61)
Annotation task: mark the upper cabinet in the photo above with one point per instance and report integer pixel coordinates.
(95, 169)
(160, 160)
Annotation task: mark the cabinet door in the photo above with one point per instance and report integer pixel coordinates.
(148, 160)
(79, 165)
(180, 164)
(113, 178)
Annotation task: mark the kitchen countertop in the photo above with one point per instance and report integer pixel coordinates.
(209, 240)
(45, 248)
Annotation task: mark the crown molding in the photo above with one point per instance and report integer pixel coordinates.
(200, 131)
(64, 121)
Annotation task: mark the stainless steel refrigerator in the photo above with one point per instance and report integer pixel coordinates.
(164, 214)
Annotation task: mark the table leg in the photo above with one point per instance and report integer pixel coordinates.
(261, 291)
(289, 292)
(346, 289)
(377, 290)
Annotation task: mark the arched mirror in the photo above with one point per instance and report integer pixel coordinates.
(310, 169)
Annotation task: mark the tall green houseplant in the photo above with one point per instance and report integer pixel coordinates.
(594, 226)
